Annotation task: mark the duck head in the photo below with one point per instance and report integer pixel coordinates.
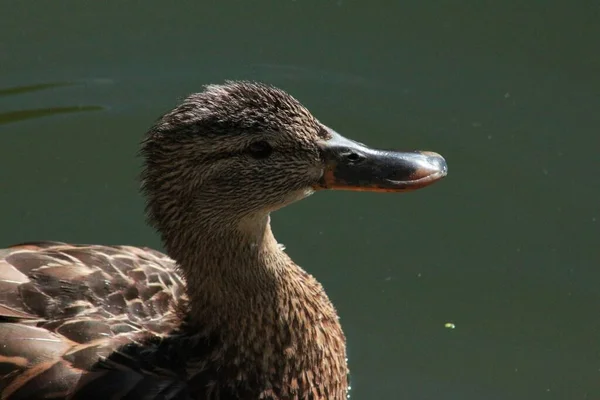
(241, 150)
(215, 167)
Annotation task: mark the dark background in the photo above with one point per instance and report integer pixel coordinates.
(506, 247)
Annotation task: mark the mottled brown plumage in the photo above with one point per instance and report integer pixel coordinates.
(227, 315)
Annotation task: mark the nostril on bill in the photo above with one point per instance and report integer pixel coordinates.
(354, 157)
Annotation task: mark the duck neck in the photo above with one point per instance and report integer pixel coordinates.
(245, 292)
(228, 265)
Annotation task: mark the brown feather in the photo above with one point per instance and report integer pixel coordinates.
(232, 318)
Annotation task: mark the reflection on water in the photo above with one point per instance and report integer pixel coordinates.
(14, 116)
(20, 115)
(32, 88)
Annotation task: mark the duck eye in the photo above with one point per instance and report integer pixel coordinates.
(260, 150)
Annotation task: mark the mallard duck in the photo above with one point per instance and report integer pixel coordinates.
(225, 314)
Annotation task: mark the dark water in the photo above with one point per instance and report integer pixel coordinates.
(506, 247)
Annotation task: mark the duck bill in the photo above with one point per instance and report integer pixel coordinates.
(350, 165)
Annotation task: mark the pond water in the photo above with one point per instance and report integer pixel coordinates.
(483, 286)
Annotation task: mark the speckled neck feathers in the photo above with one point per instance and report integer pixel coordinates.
(276, 331)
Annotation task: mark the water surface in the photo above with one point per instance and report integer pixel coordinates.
(505, 248)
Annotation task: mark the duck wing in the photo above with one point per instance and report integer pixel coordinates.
(67, 310)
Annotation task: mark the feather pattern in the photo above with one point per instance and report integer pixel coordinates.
(65, 307)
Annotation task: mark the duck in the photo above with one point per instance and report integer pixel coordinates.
(223, 313)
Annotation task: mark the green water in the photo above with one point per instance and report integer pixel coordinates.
(505, 248)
